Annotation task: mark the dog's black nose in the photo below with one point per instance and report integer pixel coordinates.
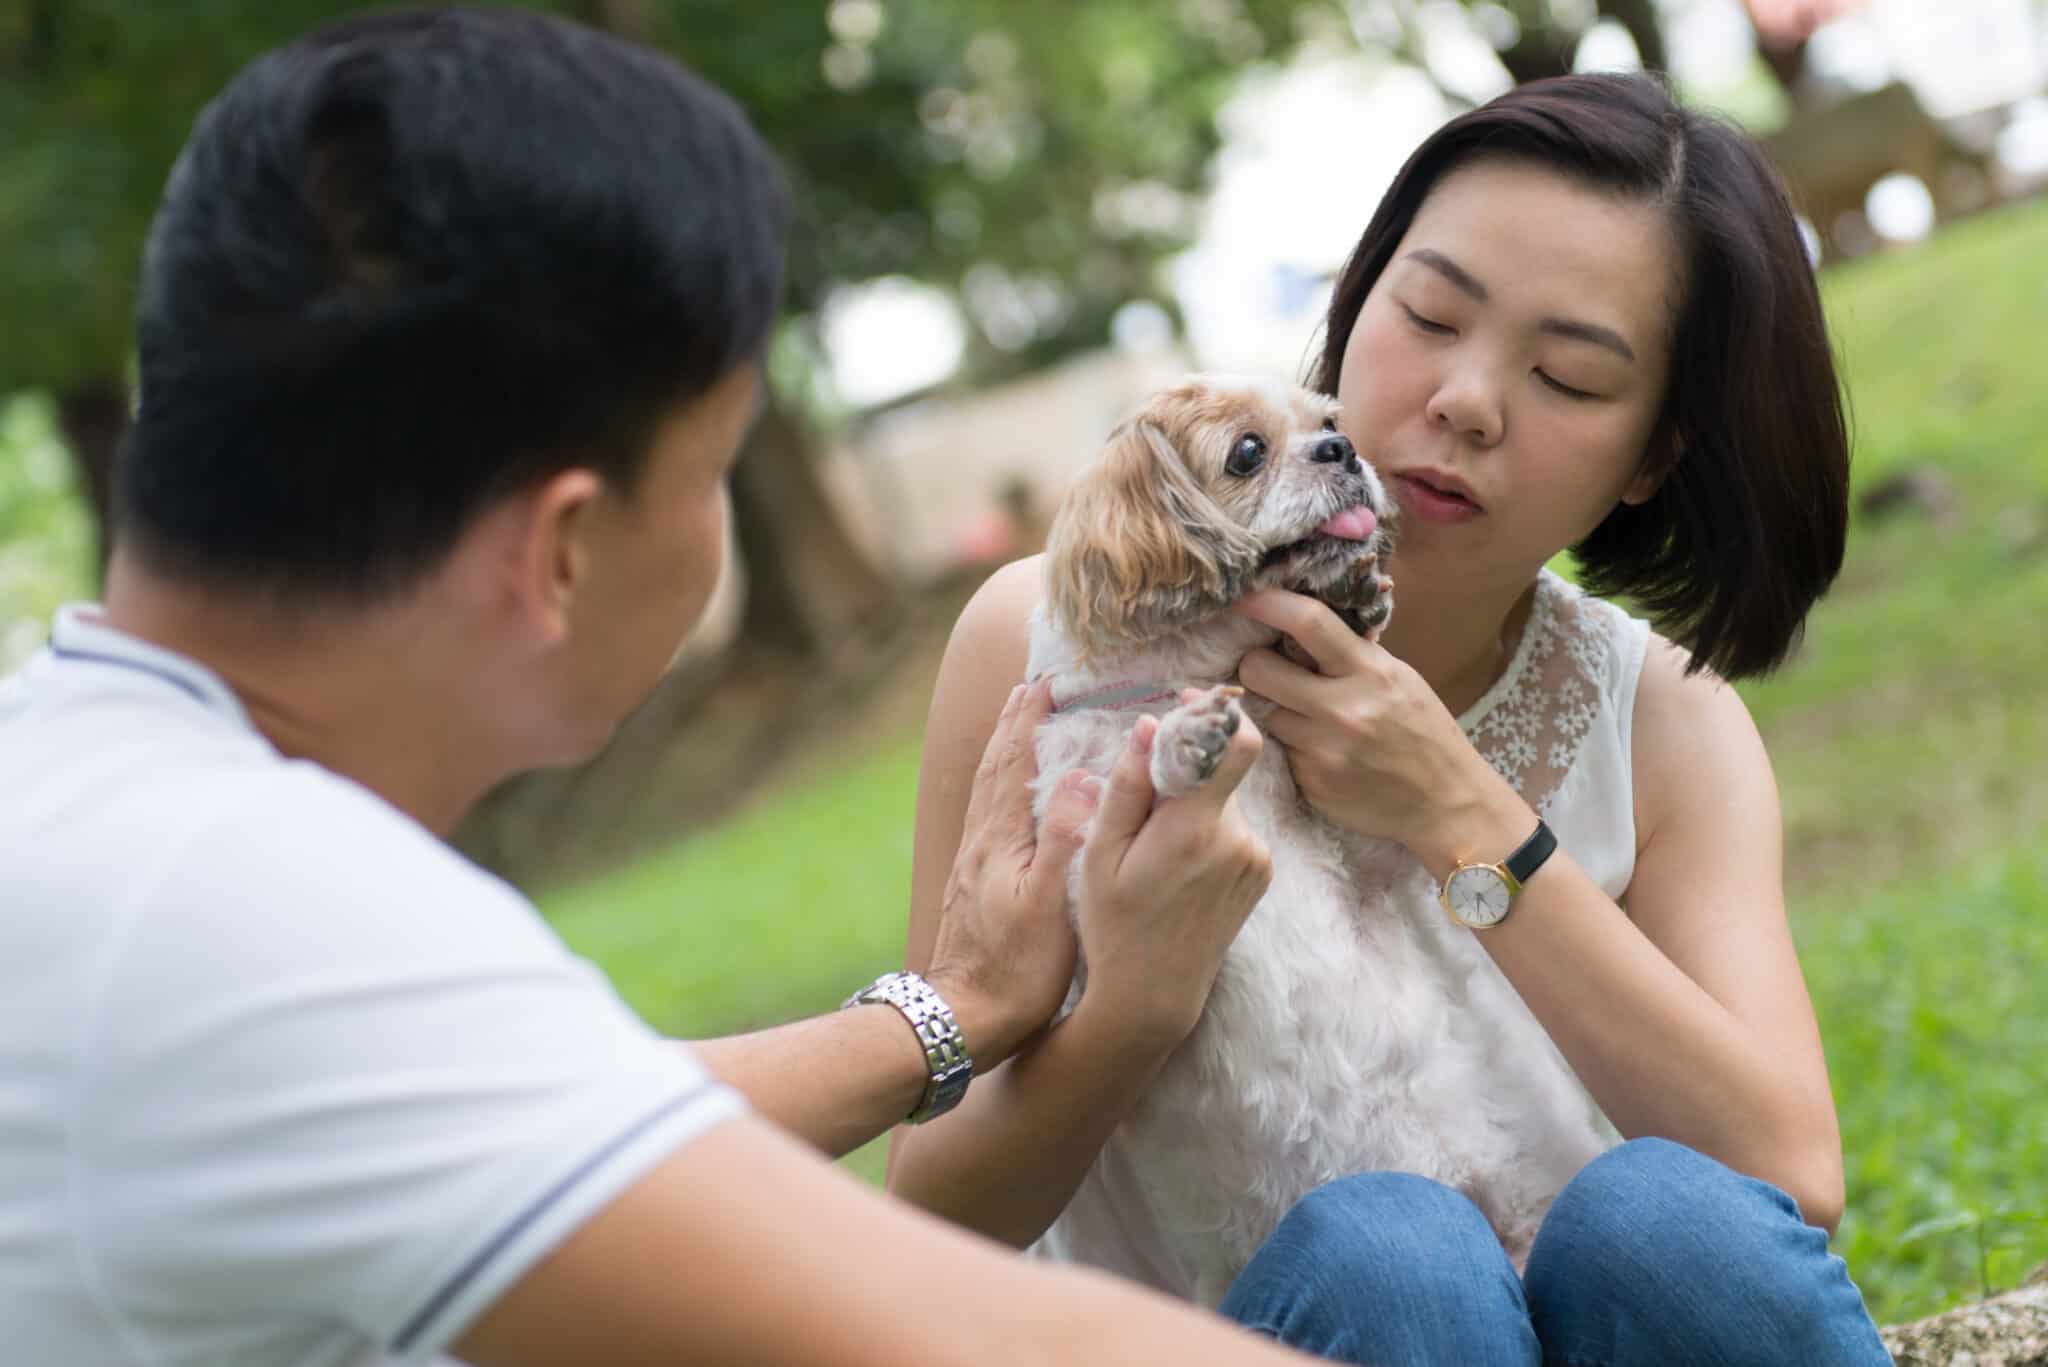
(1334, 448)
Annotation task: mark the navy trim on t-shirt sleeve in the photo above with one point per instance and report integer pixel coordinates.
(469, 1270)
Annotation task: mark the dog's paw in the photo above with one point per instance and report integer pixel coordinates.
(1192, 739)
(1365, 599)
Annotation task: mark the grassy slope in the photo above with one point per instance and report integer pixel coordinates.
(1911, 749)
(1911, 743)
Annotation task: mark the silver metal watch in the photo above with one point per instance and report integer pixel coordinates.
(945, 1048)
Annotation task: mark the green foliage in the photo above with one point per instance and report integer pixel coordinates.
(95, 98)
(46, 540)
(923, 137)
(1912, 756)
(936, 136)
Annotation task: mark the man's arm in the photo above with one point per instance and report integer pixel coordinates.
(1002, 961)
(834, 1081)
(744, 1249)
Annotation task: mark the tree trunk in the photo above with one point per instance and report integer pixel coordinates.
(810, 587)
(93, 416)
(1543, 48)
(1639, 17)
(2005, 1331)
(627, 18)
(1788, 64)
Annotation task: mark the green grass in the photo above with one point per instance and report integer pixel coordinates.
(1910, 738)
(1911, 730)
(774, 916)
(1931, 1003)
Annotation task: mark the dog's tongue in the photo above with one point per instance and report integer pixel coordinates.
(1354, 524)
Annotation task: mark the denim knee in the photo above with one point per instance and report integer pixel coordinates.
(1657, 1249)
(1386, 1267)
(1378, 1226)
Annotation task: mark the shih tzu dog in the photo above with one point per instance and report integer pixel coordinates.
(1349, 1029)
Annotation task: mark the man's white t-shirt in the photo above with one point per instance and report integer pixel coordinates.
(283, 1079)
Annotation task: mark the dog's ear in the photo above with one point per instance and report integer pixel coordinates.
(1139, 548)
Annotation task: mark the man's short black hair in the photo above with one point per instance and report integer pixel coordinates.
(414, 262)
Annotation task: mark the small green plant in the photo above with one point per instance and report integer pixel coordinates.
(1999, 1231)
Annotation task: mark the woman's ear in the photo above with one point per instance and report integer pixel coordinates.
(1138, 547)
(1660, 458)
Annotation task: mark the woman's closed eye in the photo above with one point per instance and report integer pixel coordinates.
(1429, 325)
(1561, 387)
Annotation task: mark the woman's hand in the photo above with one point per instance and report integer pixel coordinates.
(1370, 743)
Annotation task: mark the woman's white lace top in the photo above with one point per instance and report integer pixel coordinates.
(1556, 724)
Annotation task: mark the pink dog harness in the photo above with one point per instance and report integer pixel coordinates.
(1117, 697)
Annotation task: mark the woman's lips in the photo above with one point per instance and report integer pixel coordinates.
(1433, 502)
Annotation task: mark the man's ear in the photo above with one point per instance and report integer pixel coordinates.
(553, 554)
(1138, 546)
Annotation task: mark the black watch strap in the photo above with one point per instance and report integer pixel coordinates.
(1530, 854)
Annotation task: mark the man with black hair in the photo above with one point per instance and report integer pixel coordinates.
(449, 331)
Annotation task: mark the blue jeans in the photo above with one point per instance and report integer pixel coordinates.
(1653, 1254)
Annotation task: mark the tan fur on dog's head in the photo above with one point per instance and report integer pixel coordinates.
(1168, 528)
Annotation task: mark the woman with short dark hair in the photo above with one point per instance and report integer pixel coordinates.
(1581, 320)
(1747, 527)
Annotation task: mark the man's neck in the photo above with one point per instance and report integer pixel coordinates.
(363, 693)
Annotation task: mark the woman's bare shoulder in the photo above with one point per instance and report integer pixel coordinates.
(991, 640)
(1693, 741)
(984, 660)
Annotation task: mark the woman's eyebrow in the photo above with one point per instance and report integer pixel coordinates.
(1589, 332)
(1557, 327)
(1449, 270)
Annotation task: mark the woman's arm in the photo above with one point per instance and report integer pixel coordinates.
(1158, 908)
(1685, 1016)
(1708, 892)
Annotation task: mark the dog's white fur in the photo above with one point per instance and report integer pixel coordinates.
(1353, 1026)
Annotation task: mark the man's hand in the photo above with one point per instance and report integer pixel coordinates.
(1165, 888)
(1005, 949)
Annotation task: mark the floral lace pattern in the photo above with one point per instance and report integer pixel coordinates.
(1530, 725)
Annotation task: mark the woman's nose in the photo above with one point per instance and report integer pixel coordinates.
(1469, 404)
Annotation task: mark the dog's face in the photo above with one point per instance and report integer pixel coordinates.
(1216, 487)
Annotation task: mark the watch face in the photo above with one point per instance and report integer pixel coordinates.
(1478, 895)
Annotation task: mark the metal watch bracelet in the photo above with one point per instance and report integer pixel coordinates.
(945, 1048)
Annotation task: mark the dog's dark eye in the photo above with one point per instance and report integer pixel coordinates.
(1329, 424)
(1245, 457)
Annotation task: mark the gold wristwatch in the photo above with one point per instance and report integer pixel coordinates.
(1481, 895)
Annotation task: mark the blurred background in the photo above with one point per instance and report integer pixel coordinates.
(1013, 221)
